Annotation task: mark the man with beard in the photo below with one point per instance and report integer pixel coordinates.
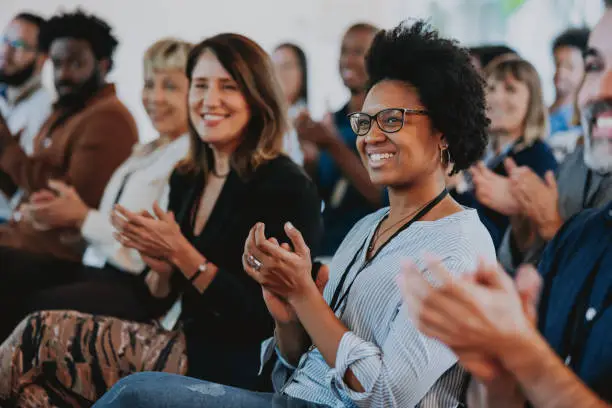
(89, 133)
(490, 322)
(24, 102)
(330, 153)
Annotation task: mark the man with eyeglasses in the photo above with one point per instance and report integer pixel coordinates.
(24, 103)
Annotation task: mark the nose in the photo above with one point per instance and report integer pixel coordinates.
(158, 94)
(62, 72)
(212, 96)
(375, 135)
(596, 90)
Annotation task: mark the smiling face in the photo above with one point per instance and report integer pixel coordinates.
(289, 72)
(355, 46)
(217, 108)
(507, 103)
(164, 97)
(403, 157)
(595, 97)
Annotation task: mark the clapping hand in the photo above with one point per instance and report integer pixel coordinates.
(493, 190)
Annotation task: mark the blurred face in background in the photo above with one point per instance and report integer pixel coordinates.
(569, 70)
(164, 97)
(595, 97)
(19, 59)
(290, 73)
(218, 109)
(507, 104)
(355, 46)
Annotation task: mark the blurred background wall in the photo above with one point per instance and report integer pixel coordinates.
(317, 25)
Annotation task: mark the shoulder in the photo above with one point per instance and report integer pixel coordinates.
(539, 157)
(283, 175)
(586, 226)
(460, 239)
(110, 111)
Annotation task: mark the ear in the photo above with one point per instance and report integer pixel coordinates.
(443, 143)
(104, 65)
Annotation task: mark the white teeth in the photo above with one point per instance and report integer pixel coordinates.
(381, 156)
(604, 122)
(212, 116)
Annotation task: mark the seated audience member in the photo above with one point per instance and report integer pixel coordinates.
(483, 318)
(108, 270)
(88, 135)
(342, 179)
(235, 176)
(518, 125)
(568, 50)
(292, 69)
(423, 115)
(24, 103)
(582, 181)
(483, 55)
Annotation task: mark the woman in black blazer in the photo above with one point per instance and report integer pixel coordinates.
(234, 177)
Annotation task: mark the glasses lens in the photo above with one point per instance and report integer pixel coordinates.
(360, 123)
(391, 120)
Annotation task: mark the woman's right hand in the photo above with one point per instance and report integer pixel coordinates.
(158, 278)
(279, 309)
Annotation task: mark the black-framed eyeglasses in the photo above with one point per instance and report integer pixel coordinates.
(389, 120)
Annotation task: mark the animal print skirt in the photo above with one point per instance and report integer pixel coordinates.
(70, 359)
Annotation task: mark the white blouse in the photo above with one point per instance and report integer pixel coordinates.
(140, 181)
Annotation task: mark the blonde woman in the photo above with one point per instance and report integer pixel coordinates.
(107, 270)
(518, 126)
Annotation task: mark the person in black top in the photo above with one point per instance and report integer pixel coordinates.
(234, 177)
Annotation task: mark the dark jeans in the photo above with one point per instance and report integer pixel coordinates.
(161, 390)
(31, 282)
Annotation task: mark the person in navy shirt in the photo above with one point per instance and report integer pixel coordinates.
(330, 148)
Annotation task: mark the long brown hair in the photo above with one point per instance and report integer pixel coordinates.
(251, 67)
(536, 121)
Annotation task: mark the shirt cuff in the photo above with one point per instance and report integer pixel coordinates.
(95, 228)
(352, 350)
(269, 347)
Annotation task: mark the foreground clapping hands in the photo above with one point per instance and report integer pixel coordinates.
(477, 315)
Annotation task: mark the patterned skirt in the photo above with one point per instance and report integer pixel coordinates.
(70, 359)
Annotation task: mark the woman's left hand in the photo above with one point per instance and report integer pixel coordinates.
(285, 273)
(160, 237)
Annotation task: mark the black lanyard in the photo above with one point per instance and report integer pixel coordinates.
(338, 300)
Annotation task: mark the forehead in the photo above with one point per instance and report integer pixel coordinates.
(568, 52)
(208, 66)
(391, 94)
(360, 38)
(284, 54)
(22, 29)
(163, 74)
(599, 40)
(62, 48)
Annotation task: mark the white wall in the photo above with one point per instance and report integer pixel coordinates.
(317, 25)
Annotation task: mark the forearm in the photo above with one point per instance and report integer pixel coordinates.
(188, 260)
(352, 168)
(324, 328)
(292, 341)
(544, 379)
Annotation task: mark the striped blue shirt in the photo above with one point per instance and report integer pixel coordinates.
(396, 364)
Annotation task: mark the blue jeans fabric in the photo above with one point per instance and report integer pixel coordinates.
(162, 390)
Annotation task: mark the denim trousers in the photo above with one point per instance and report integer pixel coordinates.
(162, 390)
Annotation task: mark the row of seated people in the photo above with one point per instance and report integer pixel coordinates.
(235, 156)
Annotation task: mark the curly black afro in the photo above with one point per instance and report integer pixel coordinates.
(80, 26)
(447, 83)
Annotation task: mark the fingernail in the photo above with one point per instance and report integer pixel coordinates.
(290, 226)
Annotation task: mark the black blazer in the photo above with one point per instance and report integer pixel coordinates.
(225, 325)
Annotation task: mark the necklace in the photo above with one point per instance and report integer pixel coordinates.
(379, 233)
